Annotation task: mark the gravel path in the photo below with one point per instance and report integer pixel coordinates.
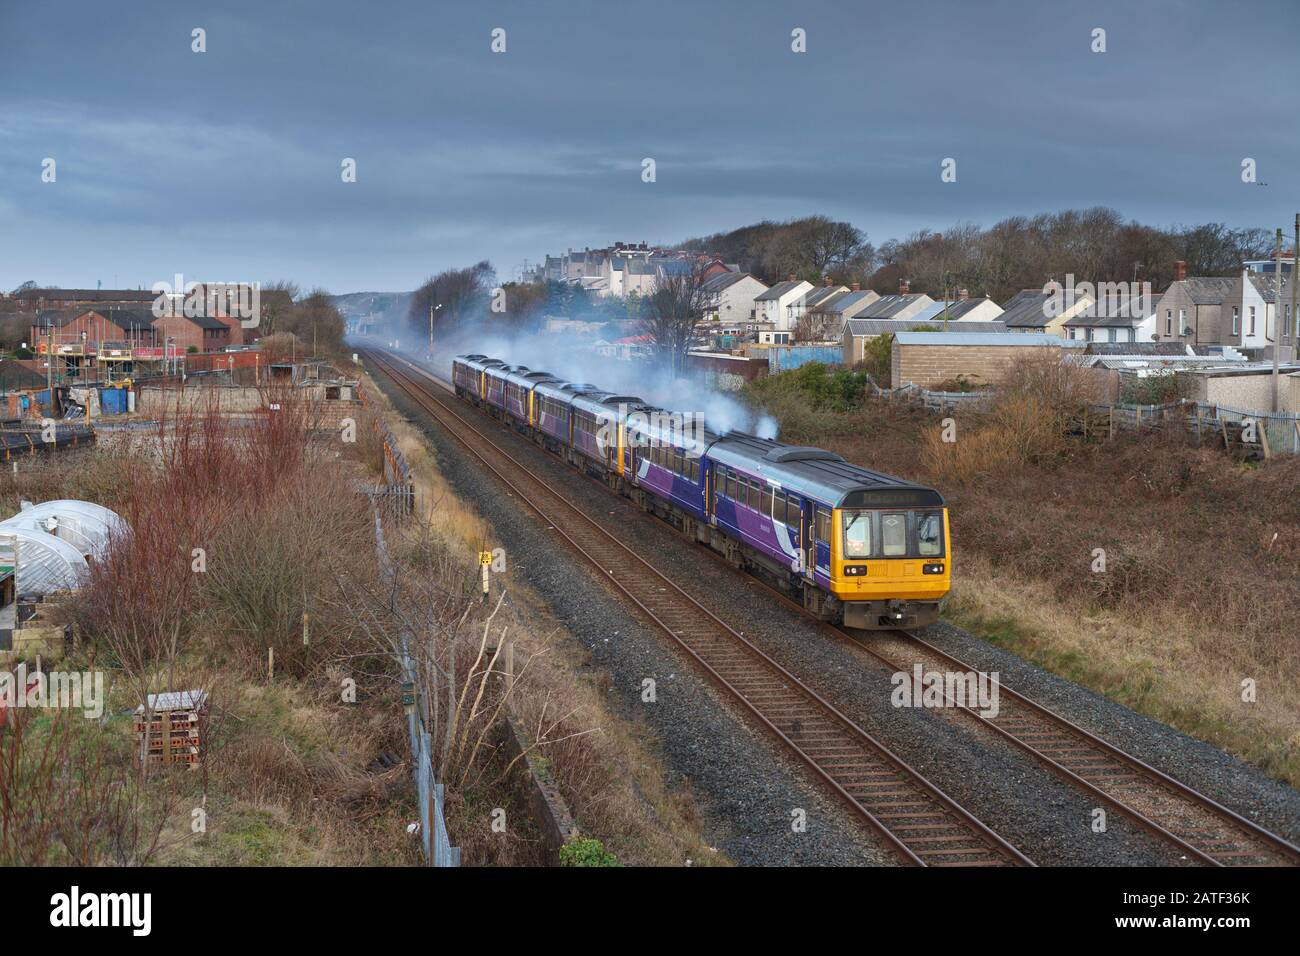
(747, 787)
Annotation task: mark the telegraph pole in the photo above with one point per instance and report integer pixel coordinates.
(49, 364)
(1292, 324)
(1277, 318)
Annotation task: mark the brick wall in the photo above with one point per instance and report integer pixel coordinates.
(929, 365)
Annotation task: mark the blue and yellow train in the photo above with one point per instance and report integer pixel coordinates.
(859, 548)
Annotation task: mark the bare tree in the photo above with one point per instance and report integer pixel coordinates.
(451, 296)
(672, 310)
(277, 300)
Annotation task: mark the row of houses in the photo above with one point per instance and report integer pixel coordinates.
(624, 269)
(1246, 312)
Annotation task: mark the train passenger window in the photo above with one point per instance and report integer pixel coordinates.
(893, 534)
(677, 462)
(730, 486)
(755, 495)
(778, 505)
(792, 512)
(822, 531)
(929, 534)
(857, 534)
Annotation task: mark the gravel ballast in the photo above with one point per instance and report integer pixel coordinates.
(747, 787)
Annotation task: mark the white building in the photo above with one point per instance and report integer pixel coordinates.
(731, 297)
(775, 305)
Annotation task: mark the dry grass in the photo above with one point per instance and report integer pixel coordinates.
(291, 772)
(1202, 555)
(605, 767)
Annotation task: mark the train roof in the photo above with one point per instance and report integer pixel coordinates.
(670, 428)
(591, 402)
(478, 362)
(819, 474)
(555, 389)
(529, 379)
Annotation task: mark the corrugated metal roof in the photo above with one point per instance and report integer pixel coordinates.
(868, 327)
(1026, 339)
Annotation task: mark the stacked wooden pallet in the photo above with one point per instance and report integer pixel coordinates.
(174, 729)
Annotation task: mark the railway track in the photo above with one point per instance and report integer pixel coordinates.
(1206, 831)
(922, 824)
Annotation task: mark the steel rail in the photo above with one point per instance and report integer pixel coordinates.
(931, 827)
(1075, 764)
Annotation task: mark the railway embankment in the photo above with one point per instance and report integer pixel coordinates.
(1052, 819)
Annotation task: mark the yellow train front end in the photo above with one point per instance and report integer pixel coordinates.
(890, 568)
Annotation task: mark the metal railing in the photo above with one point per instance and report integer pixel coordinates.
(435, 842)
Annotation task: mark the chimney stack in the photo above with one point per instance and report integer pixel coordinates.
(791, 279)
(1180, 270)
(827, 283)
(903, 287)
(963, 294)
(857, 287)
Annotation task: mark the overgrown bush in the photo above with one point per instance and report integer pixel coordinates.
(1156, 389)
(585, 851)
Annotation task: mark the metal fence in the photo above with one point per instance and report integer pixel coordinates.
(939, 401)
(397, 493)
(434, 839)
(1276, 433)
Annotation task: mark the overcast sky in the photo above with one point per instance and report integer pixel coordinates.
(225, 165)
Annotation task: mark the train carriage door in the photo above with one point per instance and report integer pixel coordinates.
(807, 543)
(823, 542)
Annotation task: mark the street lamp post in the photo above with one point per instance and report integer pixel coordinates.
(432, 309)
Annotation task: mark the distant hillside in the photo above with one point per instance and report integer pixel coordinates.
(385, 307)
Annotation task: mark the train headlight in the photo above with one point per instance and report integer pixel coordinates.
(854, 570)
(932, 569)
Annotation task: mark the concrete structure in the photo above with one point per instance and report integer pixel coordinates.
(930, 359)
(858, 332)
(1246, 387)
(724, 370)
